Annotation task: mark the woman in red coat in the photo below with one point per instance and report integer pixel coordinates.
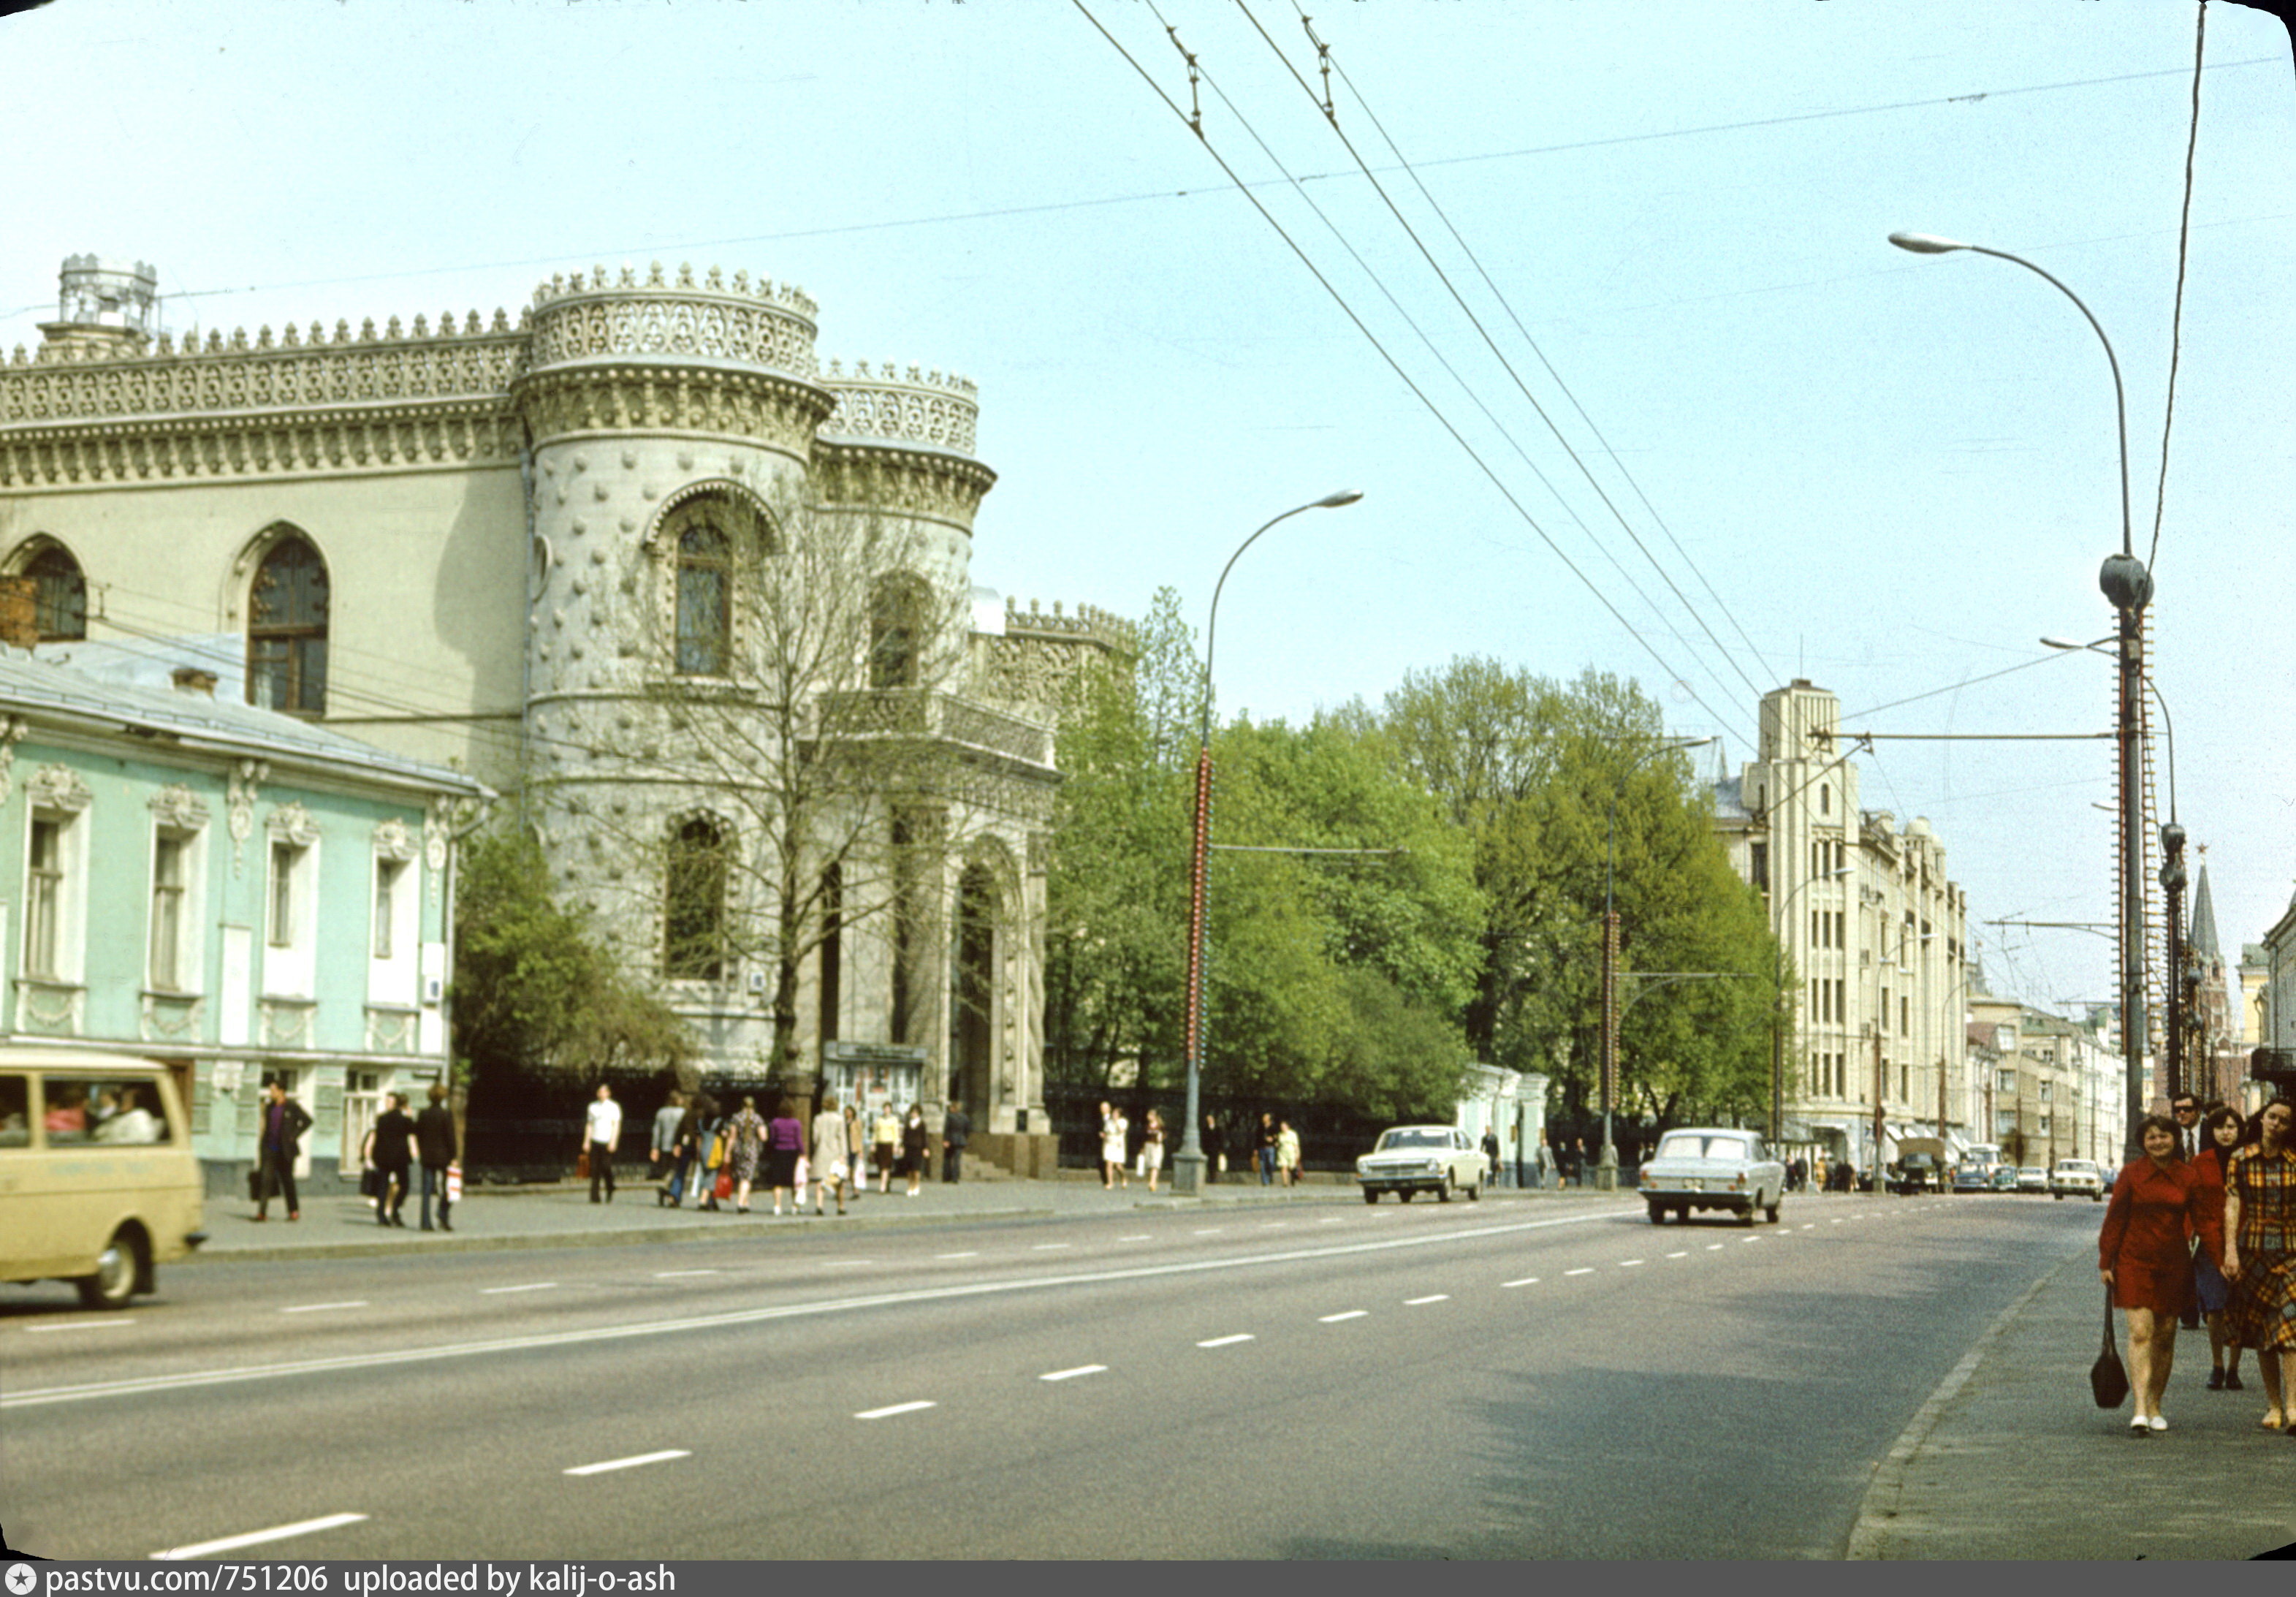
(2145, 1255)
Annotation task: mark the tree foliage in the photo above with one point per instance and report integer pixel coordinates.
(533, 988)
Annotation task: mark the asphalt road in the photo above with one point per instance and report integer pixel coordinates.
(1492, 1380)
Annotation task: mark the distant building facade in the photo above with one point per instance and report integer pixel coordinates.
(1873, 928)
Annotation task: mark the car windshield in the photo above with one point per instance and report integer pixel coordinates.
(1408, 1137)
(1694, 1145)
(2075, 1166)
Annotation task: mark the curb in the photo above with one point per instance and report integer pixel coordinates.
(1870, 1535)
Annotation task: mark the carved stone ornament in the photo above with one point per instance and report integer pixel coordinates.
(436, 826)
(177, 805)
(11, 730)
(292, 823)
(394, 842)
(58, 787)
(246, 777)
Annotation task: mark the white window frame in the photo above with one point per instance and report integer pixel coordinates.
(165, 950)
(290, 955)
(58, 798)
(394, 918)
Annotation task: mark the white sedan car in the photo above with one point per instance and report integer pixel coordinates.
(2080, 1177)
(1712, 1167)
(1409, 1159)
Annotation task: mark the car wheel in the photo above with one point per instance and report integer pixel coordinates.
(1682, 1213)
(116, 1268)
(1403, 1195)
(1443, 1193)
(1772, 1211)
(1371, 1194)
(1746, 1215)
(1475, 1193)
(1657, 1213)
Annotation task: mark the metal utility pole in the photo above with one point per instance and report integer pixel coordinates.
(2172, 879)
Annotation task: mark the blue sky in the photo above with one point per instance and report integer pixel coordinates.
(1886, 473)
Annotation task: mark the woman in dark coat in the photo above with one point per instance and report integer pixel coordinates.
(2143, 1253)
(394, 1159)
(917, 1139)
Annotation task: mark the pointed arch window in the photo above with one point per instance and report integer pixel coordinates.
(896, 629)
(705, 599)
(287, 630)
(694, 908)
(59, 594)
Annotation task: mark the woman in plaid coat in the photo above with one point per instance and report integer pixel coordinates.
(2260, 1250)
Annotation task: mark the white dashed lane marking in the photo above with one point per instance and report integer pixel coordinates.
(1528, 1280)
(529, 1287)
(71, 1325)
(1628, 1263)
(1072, 1374)
(899, 1408)
(1413, 1302)
(957, 1256)
(1211, 1230)
(315, 1308)
(1226, 1341)
(1714, 1247)
(1587, 1270)
(1051, 1246)
(1677, 1256)
(1139, 1238)
(255, 1538)
(1344, 1315)
(665, 1275)
(630, 1463)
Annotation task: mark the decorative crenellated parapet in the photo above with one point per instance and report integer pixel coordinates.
(1087, 624)
(610, 318)
(924, 409)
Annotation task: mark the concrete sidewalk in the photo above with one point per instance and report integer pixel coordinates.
(2011, 1458)
(559, 1214)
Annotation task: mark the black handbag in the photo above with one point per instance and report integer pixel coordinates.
(371, 1183)
(2106, 1378)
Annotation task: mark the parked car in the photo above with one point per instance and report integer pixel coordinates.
(1919, 1173)
(1409, 1159)
(1972, 1178)
(2078, 1177)
(2032, 1178)
(1712, 1167)
(2005, 1179)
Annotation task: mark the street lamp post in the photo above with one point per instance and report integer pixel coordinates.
(2127, 587)
(1188, 1164)
(1606, 1165)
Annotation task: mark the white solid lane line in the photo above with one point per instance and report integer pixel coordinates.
(1226, 1341)
(845, 1263)
(79, 1325)
(1528, 1280)
(899, 1408)
(664, 1275)
(630, 1463)
(1072, 1374)
(314, 1308)
(1347, 1314)
(255, 1538)
(529, 1287)
(1413, 1302)
(1589, 1270)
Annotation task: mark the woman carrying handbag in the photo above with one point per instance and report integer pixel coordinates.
(2144, 1254)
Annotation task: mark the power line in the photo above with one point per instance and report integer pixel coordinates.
(2176, 318)
(1507, 306)
(1488, 341)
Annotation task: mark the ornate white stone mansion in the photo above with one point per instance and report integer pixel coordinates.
(524, 549)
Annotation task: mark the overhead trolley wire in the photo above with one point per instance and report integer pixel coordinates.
(1418, 392)
(1507, 306)
(1490, 343)
(1196, 72)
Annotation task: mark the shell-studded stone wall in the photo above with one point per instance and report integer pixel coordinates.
(713, 320)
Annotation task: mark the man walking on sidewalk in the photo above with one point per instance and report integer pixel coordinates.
(434, 1140)
(666, 1119)
(955, 1128)
(276, 1146)
(602, 1129)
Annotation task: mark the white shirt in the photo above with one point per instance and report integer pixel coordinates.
(605, 1121)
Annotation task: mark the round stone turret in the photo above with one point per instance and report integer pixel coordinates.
(107, 305)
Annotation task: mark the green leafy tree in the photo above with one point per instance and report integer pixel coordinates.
(534, 989)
